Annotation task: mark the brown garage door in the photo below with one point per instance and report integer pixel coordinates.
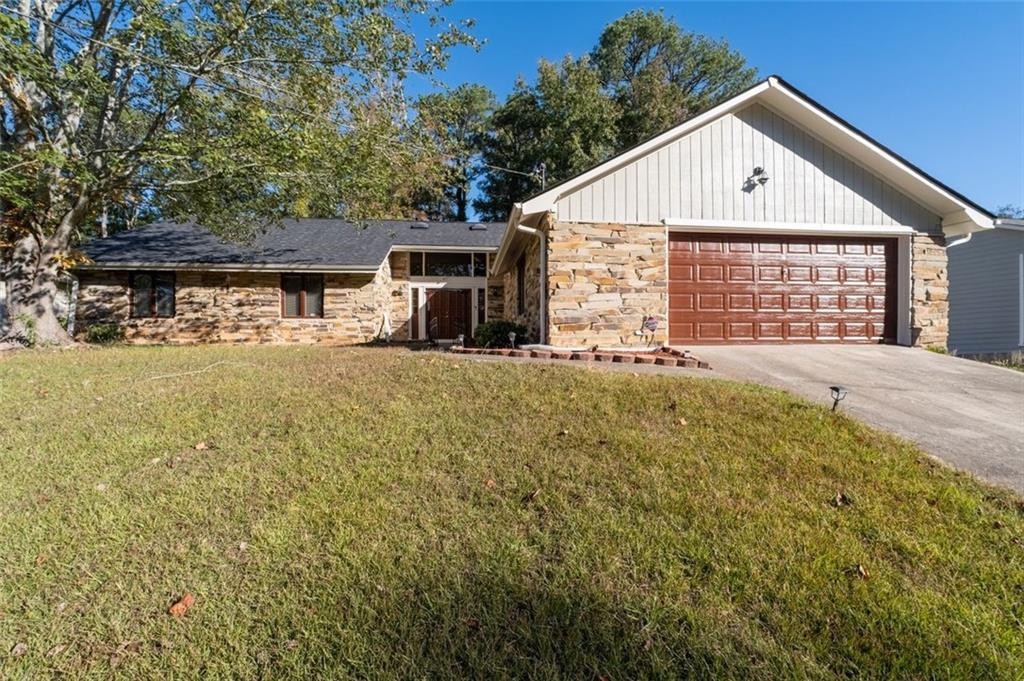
(775, 289)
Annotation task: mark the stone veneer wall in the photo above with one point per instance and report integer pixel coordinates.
(604, 280)
(238, 307)
(929, 296)
(398, 294)
(495, 299)
(530, 318)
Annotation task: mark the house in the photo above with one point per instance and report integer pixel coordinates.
(986, 291)
(766, 219)
(305, 281)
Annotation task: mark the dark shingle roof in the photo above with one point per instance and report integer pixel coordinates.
(296, 242)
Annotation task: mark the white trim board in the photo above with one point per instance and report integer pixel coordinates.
(746, 227)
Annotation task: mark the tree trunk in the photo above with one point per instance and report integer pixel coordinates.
(33, 283)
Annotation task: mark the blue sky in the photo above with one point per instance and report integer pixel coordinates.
(940, 83)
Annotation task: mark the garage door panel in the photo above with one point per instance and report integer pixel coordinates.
(738, 288)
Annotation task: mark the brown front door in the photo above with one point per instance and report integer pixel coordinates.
(448, 313)
(777, 289)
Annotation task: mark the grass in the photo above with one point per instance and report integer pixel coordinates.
(373, 513)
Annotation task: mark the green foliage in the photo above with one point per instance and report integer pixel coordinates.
(660, 74)
(104, 334)
(645, 75)
(28, 335)
(495, 334)
(457, 120)
(232, 113)
(563, 120)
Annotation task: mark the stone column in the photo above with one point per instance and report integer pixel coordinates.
(929, 305)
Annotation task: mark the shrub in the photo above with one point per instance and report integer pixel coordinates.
(495, 334)
(104, 334)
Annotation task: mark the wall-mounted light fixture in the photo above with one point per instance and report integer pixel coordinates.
(760, 176)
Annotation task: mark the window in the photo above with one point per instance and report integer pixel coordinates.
(481, 305)
(479, 264)
(432, 264)
(152, 294)
(521, 284)
(449, 264)
(302, 295)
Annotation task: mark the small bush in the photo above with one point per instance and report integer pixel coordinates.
(495, 334)
(104, 334)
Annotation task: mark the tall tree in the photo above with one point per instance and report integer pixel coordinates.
(232, 111)
(563, 121)
(645, 75)
(1009, 210)
(457, 119)
(660, 74)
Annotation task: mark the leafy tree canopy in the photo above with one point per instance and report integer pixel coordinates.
(234, 112)
(457, 120)
(645, 75)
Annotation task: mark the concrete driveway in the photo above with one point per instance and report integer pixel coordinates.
(969, 414)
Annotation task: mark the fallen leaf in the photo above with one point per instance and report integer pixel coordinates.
(200, 446)
(40, 559)
(19, 649)
(56, 650)
(101, 487)
(490, 484)
(243, 546)
(682, 421)
(563, 433)
(841, 499)
(155, 460)
(291, 644)
(859, 571)
(182, 606)
(531, 496)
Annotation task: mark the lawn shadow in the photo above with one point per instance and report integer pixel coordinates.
(482, 625)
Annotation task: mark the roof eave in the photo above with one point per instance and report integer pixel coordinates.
(228, 267)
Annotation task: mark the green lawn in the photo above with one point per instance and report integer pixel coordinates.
(364, 513)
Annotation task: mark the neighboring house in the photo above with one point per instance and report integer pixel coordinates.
(765, 219)
(986, 291)
(305, 281)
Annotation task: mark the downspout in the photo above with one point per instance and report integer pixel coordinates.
(542, 309)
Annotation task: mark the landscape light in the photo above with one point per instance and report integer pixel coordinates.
(839, 393)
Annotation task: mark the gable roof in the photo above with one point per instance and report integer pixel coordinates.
(959, 214)
(313, 244)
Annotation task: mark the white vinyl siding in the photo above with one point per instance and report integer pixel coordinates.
(985, 292)
(704, 176)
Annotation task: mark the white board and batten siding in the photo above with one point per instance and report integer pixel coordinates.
(986, 293)
(705, 176)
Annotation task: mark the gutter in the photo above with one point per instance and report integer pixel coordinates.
(227, 267)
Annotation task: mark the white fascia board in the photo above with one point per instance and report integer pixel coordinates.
(850, 142)
(498, 262)
(228, 267)
(443, 249)
(546, 201)
(748, 227)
